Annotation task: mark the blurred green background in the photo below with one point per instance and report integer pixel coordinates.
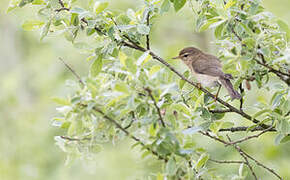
(31, 74)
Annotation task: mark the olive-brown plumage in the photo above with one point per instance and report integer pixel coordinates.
(207, 69)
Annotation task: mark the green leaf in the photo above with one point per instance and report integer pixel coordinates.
(96, 67)
(170, 168)
(165, 6)
(285, 139)
(24, 2)
(284, 27)
(122, 58)
(45, 30)
(219, 30)
(211, 23)
(181, 81)
(261, 112)
(153, 130)
(279, 138)
(122, 87)
(146, 153)
(61, 101)
(143, 29)
(230, 3)
(74, 19)
(32, 25)
(201, 161)
(178, 4)
(100, 6)
(192, 130)
(159, 176)
(154, 69)
(143, 59)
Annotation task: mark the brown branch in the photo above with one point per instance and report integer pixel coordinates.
(232, 108)
(148, 35)
(240, 150)
(242, 99)
(156, 106)
(278, 73)
(128, 134)
(245, 158)
(223, 161)
(244, 128)
(220, 111)
(75, 139)
(206, 133)
(251, 137)
(63, 8)
(135, 46)
(73, 71)
(226, 161)
(262, 165)
(131, 122)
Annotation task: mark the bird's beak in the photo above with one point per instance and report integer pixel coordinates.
(177, 57)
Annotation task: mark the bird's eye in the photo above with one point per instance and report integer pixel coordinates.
(185, 55)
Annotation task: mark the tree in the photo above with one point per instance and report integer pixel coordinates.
(131, 91)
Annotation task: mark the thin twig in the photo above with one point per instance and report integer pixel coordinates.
(251, 137)
(131, 122)
(262, 165)
(75, 139)
(206, 133)
(134, 45)
(148, 35)
(220, 111)
(226, 161)
(245, 158)
(242, 99)
(280, 74)
(244, 128)
(128, 134)
(156, 106)
(73, 71)
(63, 8)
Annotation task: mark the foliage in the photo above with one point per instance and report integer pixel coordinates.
(128, 93)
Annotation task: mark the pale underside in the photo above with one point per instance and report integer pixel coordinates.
(205, 80)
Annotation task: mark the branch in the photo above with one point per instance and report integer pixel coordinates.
(156, 106)
(63, 8)
(242, 99)
(244, 128)
(130, 124)
(243, 152)
(148, 35)
(245, 158)
(251, 137)
(278, 73)
(134, 45)
(73, 71)
(74, 139)
(128, 134)
(226, 161)
(220, 111)
(232, 108)
(262, 165)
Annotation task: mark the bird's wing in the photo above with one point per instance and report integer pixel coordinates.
(208, 65)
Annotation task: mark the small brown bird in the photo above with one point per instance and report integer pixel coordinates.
(207, 69)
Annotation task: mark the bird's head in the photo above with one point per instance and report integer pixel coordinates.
(188, 54)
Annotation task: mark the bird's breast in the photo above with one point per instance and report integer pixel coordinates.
(205, 80)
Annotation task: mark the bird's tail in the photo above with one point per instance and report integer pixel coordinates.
(228, 85)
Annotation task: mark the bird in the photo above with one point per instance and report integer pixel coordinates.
(207, 70)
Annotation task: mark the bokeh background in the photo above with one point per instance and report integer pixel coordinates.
(31, 74)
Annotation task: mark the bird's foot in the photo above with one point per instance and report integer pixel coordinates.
(198, 85)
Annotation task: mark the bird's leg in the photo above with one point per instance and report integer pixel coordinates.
(216, 96)
(198, 85)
